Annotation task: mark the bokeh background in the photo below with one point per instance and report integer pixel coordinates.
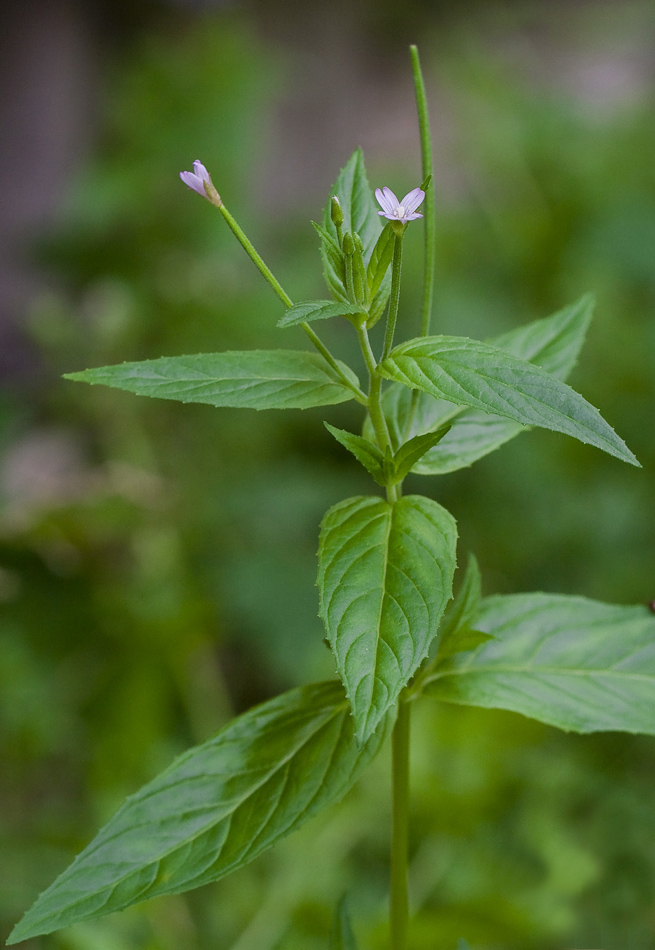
(157, 561)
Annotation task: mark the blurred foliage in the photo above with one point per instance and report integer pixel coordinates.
(157, 561)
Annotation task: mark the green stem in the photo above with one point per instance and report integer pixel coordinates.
(375, 388)
(375, 399)
(392, 316)
(399, 900)
(268, 275)
(428, 213)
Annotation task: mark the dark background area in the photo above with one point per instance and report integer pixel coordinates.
(157, 561)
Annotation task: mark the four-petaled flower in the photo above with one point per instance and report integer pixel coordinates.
(395, 210)
(197, 179)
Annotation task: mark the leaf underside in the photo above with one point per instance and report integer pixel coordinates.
(385, 577)
(574, 663)
(215, 809)
(248, 379)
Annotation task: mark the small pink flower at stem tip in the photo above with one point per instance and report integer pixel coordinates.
(199, 181)
(395, 210)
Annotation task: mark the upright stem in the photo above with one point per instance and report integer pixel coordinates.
(268, 275)
(392, 316)
(399, 901)
(428, 213)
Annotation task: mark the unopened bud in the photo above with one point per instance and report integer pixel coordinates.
(335, 212)
(348, 243)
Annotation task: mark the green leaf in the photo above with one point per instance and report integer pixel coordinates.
(250, 379)
(381, 258)
(457, 631)
(364, 451)
(309, 310)
(552, 343)
(334, 268)
(385, 577)
(342, 936)
(410, 452)
(385, 468)
(359, 214)
(216, 808)
(466, 372)
(574, 663)
(462, 944)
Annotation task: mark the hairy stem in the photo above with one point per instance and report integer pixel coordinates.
(268, 275)
(399, 900)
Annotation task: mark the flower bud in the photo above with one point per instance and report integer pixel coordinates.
(335, 212)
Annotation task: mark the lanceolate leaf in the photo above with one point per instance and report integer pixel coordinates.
(552, 343)
(357, 203)
(364, 451)
(411, 452)
(458, 632)
(482, 376)
(333, 263)
(216, 808)
(250, 379)
(575, 663)
(310, 310)
(385, 577)
(360, 215)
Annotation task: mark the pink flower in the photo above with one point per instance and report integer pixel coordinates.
(395, 210)
(197, 179)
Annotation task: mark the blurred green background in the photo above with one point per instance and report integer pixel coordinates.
(157, 561)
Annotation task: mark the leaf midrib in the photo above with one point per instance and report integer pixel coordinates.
(338, 710)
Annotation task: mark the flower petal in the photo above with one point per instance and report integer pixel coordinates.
(413, 199)
(384, 200)
(412, 217)
(200, 170)
(193, 182)
(391, 198)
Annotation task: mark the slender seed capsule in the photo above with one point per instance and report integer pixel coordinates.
(348, 246)
(360, 285)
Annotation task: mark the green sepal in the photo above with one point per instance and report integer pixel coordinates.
(309, 310)
(364, 451)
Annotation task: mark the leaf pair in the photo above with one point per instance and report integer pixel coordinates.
(217, 807)
(387, 468)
